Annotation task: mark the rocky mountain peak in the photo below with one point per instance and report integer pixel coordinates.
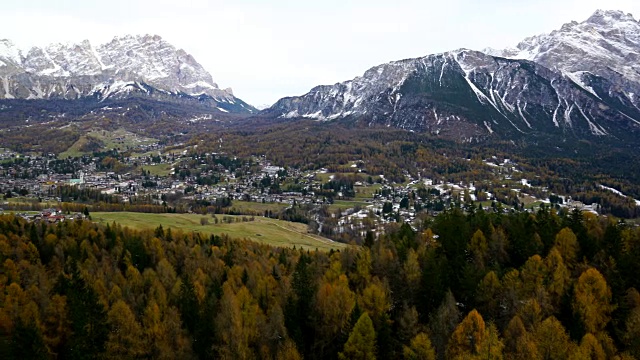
(159, 63)
(9, 52)
(609, 16)
(606, 44)
(69, 60)
(52, 70)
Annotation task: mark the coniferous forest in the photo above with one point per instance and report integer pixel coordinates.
(465, 285)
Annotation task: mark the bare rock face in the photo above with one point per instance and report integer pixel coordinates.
(123, 65)
(160, 65)
(579, 81)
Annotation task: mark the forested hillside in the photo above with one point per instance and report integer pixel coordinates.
(473, 285)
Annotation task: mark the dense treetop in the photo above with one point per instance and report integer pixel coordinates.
(462, 286)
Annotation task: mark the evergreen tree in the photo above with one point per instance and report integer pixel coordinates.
(443, 322)
(298, 314)
(88, 318)
(27, 342)
(369, 239)
(188, 304)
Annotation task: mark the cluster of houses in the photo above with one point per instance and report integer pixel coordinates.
(52, 216)
(6, 154)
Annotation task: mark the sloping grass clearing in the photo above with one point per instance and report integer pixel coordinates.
(264, 230)
(100, 139)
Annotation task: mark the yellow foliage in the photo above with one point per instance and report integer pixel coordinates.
(374, 300)
(468, 336)
(552, 339)
(592, 301)
(361, 344)
(420, 348)
(567, 244)
(334, 303)
(125, 338)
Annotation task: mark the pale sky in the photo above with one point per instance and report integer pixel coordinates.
(269, 49)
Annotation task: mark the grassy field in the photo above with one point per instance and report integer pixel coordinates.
(158, 169)
(324, 177)
(257, 207)
(366, 192)
(120, 138)
(265, 230)
(346, 204)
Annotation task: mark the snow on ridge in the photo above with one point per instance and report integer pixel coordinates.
(98, 58)
(575, 77)
(199, 83)
(290, 115)
(315, 115)
(595, 129)
(617, 192)
(57, 70)
(201, 118)
(116, 87)
(5, 85)
(486, 124)
(467, 69)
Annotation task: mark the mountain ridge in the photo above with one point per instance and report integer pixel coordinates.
(467, 95)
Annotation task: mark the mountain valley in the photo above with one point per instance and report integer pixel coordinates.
(460, 205)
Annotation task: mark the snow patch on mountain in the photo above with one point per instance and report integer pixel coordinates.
(618, 192)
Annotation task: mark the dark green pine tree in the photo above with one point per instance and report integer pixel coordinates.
(27, 343)
(298, 309)
(434, 283)
(384, 337)
(369, 239)
(88, 318)
(188, 304)
(205, 331)
(159, 232)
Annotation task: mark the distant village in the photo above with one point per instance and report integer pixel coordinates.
(213, 178)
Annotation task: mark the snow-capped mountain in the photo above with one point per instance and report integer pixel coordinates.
(123, 65)
(607, 44)
(466, 94)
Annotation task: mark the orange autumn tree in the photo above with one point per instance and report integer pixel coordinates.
(592, 301)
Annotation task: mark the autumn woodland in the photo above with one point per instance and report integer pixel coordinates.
(465, 285)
